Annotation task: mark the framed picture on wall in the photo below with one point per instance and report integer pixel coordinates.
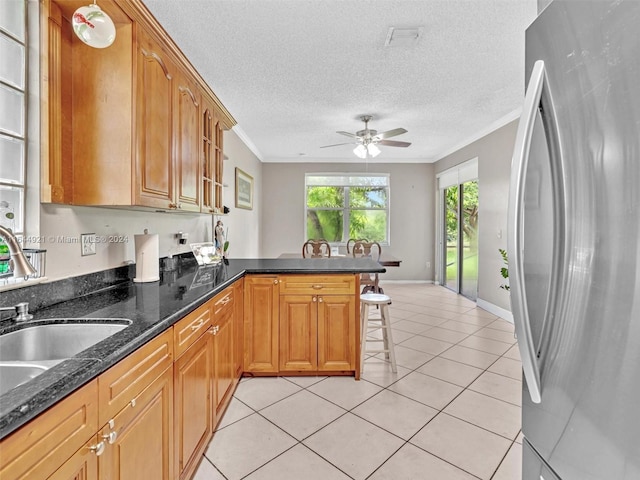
(244, 190)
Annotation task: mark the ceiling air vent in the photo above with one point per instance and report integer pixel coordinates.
(403, 36)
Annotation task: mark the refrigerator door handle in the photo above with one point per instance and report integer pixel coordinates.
(517, 289)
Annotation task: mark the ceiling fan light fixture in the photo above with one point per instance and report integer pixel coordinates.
(360, 151)
(373, 150)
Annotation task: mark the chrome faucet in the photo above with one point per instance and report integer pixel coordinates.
(19, 265)
(21, 312)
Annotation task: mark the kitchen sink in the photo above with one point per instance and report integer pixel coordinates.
(32, 350)
(16, 373)
(56, 341)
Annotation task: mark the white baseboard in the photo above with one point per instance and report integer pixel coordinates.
(389, 282)
(496, 310)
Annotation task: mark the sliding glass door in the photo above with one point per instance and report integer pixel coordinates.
(458, 256)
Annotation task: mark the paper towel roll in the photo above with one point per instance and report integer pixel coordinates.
(147, 258)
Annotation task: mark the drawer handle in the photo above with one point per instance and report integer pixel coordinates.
(110, 437)
(132, 402)
(317, 287)
(198, 325)
(98, 449)
(225, 300)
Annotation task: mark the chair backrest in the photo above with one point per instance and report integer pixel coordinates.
(316, 249)
(351, 241)
(367, 249)
(373, 250)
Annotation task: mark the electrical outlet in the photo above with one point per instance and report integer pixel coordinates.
(428, 265)
(88, 243)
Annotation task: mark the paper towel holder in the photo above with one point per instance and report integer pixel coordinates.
(147, 258)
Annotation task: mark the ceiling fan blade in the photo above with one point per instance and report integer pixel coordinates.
(391, 133)
(393, 143)
(336, 144)
(348, 134)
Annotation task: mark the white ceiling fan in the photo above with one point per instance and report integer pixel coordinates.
(367, 140)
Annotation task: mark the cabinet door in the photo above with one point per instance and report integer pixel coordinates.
(44, 444)
(261, 305)
(224, 366)
(186, 139)
(298, 333)
(337, 340)
(238, 340)
(143, 447)
(193, 375)
(154, 126)
(81, 466)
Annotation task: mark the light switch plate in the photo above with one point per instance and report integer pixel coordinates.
(88, 243)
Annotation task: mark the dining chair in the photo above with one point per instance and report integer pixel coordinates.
(316, 249)
(368, 281)
(352, 241)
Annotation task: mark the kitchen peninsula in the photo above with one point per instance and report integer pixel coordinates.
(248, 316)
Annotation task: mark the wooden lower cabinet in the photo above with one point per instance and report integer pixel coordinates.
(43, 445)
(194, 413)
(224, 367)
(298, 333)
(238, 327)
(143, 445)
(83, 465)
(337, 337)
(261, 318)
(312, 327)
(317, 333)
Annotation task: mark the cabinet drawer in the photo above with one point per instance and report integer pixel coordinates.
(125, 380)
(40, 447)
(317, 284)
(189, 329)
(223, 304)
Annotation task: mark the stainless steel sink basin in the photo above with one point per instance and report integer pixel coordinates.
(29, 352)
(55, 341)
(14, 374)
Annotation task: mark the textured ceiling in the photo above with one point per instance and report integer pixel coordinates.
(293, 72)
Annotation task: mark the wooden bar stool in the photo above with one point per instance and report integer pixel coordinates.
(372, 324)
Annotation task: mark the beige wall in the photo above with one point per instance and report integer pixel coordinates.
(494, 153)
(411, 203)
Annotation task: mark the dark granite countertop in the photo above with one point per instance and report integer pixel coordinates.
(152, 308)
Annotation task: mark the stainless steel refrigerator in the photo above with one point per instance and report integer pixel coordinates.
(574, 242)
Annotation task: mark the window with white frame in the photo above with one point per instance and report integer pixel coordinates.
(340, 206)
(13, 113)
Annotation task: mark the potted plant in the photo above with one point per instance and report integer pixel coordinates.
(504, 271)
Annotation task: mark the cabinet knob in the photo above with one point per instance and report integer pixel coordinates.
(98, 449)
(275, 282)
(173, 206)
(320, 300)
(132, 402)
(315, 299)
(110, 437)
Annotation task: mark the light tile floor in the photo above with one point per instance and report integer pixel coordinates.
(451, 412)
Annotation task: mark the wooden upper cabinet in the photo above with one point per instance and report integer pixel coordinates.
(154, 127)
(186, 137)
(124, 125)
